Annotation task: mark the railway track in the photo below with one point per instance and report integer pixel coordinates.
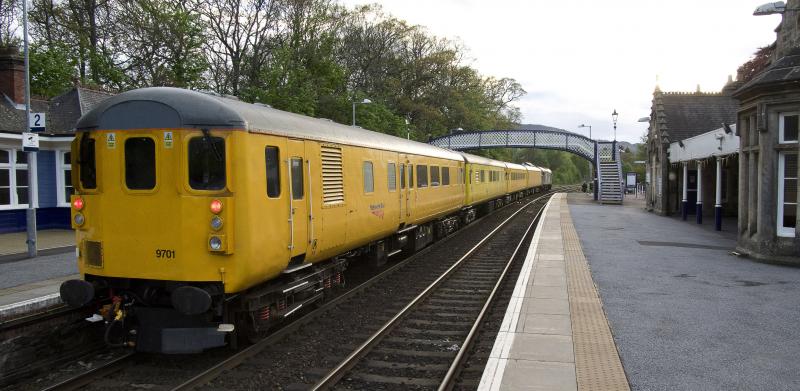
(425, 344)
(310, 340)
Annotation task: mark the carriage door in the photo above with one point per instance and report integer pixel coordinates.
(405, 188)
(298, 196)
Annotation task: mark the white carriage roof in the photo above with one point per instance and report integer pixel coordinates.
(475, 159)
(175, 108)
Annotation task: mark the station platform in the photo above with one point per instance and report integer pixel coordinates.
(29, 285)
(614, 297)
(555, 335)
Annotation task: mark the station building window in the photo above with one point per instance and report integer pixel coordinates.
(787, 175)
(272, 161)
(369, 180)
(13, 179)
(64, 177)
(422, 176)
(391, 176)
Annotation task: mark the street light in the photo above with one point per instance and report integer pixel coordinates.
(363, 102)
(614, 116)
(587, 126)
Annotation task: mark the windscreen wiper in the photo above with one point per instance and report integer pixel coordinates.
(207, 140)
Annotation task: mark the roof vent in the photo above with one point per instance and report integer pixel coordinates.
(262, 105)
(230, 97)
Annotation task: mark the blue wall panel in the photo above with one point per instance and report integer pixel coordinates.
(48, 192)
(46, 218)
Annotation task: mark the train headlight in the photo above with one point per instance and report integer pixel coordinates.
(215, 243)
(79, 219)
(216, 223)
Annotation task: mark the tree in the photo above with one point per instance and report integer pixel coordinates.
(760, 61)
(163, 44)
(53, 69)
(10, 11)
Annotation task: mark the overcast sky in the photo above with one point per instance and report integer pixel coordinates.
(581, 59)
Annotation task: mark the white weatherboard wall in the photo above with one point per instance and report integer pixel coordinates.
(702, 146)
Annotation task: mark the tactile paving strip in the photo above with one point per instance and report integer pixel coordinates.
(597, 362)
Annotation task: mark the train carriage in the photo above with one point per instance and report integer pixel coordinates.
(194, 213)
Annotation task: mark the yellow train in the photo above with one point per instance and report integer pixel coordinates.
(196, 214)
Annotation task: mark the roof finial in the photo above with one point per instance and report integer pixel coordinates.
(658, 88)
(698, 89)
(730, 79)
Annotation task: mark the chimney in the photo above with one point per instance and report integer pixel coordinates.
(12, 74)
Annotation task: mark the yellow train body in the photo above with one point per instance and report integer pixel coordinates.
(195, 199)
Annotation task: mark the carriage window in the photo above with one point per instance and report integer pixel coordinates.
(483, 175)
(86, 162)
(402, 176)
(207, 163)
(391, 171)
(369, 180)
(434, 175)
(140, 163)
(422, 176)
(297, 178)
(445, 176)
(410, 176)
(271, 158)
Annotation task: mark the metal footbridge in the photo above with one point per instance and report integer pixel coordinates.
(604, 155)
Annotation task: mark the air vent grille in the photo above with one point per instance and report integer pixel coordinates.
(332, 175)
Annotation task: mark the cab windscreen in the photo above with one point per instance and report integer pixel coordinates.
(207, 163)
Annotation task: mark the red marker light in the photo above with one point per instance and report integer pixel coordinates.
(216, 206)
(77, 203)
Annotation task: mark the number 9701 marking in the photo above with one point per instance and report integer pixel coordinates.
(165, 254)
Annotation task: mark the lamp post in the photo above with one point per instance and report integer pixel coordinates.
(614, 116)
(587, 126)
(590, 137)
(363, 102)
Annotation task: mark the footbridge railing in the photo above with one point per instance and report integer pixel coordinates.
(539, 138)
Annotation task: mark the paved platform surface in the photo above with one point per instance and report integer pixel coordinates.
(33, 282)
(685, 314)
(554, 335)
(15, 243)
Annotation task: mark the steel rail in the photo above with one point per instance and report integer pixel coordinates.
(337, 373)
(447, 382)
(87, 377)
(252, 350)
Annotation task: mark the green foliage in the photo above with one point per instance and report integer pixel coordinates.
(52, 70)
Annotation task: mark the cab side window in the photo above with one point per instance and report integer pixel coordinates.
(272, 161)
(86, 162)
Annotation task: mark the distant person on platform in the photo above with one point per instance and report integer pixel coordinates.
(584, 187)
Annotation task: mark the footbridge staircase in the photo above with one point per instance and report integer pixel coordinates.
(604, 155)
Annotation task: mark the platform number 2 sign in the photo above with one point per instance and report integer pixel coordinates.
(36, 122)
